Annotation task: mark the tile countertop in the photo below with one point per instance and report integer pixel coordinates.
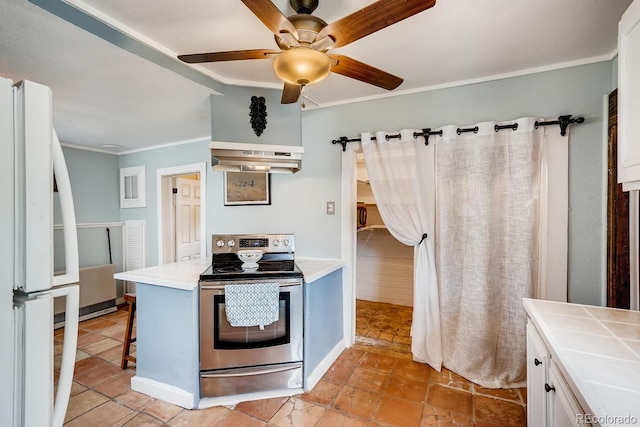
(316, 268)
(598, 351)
(185, 275)
(179, 275)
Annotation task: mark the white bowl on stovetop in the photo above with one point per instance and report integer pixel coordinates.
(250, 258)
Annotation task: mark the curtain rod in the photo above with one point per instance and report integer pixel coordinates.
(563, 121)
(343, 140)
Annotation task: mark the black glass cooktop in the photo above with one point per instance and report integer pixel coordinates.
(229, 269)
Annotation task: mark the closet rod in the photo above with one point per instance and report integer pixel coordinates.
(563, 121)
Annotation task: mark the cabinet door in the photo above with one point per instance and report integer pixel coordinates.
(563, 408)
(629, 98)
(537, 362)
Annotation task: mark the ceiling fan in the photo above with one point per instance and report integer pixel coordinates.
(305, 39)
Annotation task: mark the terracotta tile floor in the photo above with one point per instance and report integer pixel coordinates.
(384, 325)
(367, 386)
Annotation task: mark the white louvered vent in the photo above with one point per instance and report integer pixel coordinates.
(134, 250)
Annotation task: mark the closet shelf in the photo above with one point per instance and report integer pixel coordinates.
(366, 203)
(373, 227)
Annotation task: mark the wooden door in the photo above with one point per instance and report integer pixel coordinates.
(187, 219)
(618, 277)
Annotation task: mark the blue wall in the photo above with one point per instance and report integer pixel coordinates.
(298, 201)
(230, 117)
(94, 178)
(322, 319)
(167, 347)
(95, 185)
(175, 155)
(577, 90)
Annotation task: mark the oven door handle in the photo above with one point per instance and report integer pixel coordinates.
(244, 372)
(205, 286)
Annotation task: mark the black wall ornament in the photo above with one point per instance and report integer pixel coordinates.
(258, 114)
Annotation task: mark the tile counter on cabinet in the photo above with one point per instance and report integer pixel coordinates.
(167, 347)
(583, 364)
(167, 365)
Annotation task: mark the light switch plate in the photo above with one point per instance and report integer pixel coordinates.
(331, 208)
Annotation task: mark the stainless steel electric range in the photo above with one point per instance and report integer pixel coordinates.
(241, 360)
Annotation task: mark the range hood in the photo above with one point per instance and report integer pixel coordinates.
(241, 157)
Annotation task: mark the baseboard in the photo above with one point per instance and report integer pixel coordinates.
(162, 391)
(324, 366)
(59, 318)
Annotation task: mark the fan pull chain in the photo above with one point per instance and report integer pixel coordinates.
(302, 96)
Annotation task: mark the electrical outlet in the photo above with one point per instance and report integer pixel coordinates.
(331, 208)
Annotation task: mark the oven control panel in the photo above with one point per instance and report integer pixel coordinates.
(231, 243)
(248, 243)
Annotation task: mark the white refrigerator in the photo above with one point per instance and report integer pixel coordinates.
(30, 156)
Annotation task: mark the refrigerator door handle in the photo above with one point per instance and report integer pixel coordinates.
(72, 268)
(70, 343)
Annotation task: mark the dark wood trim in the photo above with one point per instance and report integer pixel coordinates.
(618, 277)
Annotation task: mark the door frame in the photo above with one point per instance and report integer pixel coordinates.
(348, 241)
(164, 201)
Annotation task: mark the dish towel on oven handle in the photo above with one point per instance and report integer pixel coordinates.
(255, 304)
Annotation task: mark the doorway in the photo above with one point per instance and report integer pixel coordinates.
(186, 210)
(554, 212)
(384, 275)
(181, 213)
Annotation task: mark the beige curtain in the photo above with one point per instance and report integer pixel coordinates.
(487, 222)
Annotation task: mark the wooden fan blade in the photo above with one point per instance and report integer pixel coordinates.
(350, 67)
(372, 18)
(271, 17)
(290, 93)
(234, 55)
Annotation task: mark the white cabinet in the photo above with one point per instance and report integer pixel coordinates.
(629, 98)
(537, 362)
(562, 407)
(550, 401)
(591, 377)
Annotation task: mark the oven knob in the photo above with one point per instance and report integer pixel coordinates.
(276, 243)
(220, 243)
(286, 242)
(231, 243)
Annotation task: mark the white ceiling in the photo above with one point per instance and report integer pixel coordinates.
(104, 94)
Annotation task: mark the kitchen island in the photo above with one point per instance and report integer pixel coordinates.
(167, 347)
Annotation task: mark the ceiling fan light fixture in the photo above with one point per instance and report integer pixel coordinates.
(302, 65)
